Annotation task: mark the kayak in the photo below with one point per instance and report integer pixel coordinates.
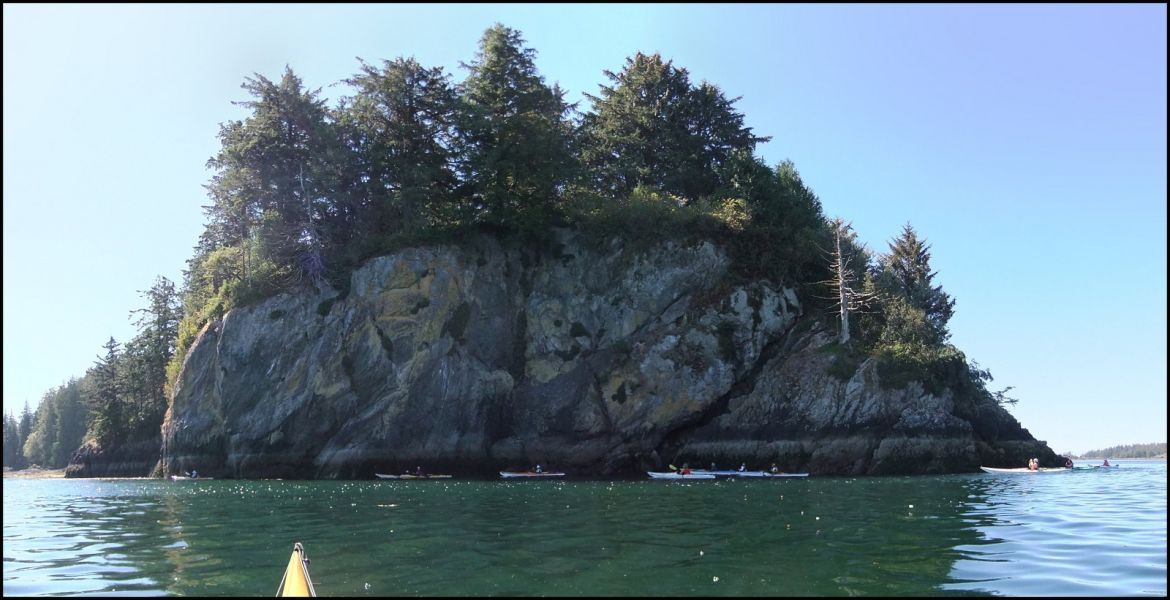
(411, 476)
(296, 581)
(748, 474)
(675, 475)
(1091, 467)
(513, 474)
(185, 478)
(1026, 470)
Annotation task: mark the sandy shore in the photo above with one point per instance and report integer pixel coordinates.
(34, 473)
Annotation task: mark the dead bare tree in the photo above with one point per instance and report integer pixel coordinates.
(848, 298)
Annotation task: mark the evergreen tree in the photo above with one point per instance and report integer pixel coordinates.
(104, 397)
(400, 127)
(25, 429)
(652, 127)
(12, 446)
(905, 272)
(72, 420)
(38, 447)
(273, 180)
(146, 357)
(513, 134)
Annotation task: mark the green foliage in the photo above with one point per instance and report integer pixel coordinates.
(645, 217)
(58, 427)
(13, 444)
(846, 360)
(515, 138)
(905, 273)
(653, 127)
(274, 174)
(400, 128)
(936, 367)
(104, 397)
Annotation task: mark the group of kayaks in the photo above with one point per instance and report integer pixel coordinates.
(504, 474)
(677, 474)
(708, 474)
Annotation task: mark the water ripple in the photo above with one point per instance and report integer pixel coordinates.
(1075, 534)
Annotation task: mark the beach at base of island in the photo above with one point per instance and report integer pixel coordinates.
(34, 473)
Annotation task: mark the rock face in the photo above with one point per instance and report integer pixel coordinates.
(134, 459)
(476, 358)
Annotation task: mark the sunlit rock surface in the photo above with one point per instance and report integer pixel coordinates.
(475, 358)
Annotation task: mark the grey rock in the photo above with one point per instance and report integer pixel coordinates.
(475, 358)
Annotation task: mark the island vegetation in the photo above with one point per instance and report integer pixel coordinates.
(304, 192)
(1153, 450)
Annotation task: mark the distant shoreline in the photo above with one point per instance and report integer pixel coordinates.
(1162, 457)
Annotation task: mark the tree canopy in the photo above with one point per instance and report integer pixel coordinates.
(651, 126)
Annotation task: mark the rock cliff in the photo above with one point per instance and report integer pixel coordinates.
(596, 360)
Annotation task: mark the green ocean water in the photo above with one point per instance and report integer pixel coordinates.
(1089, 533)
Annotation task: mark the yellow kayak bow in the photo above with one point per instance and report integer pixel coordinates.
(296, 581)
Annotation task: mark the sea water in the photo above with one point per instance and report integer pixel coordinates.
(1083, 533)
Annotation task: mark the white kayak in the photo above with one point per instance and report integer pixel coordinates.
(676, 475)
(516, 474)
(185, 478)
(1026, 470)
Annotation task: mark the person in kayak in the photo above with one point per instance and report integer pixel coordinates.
(1068, 463)
(538, 469)
(775, 469)
(742, 467)
(1106, 463)
(1033, 464)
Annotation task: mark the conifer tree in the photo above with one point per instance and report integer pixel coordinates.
(104, 397)
(906, 272)
(400, 127)
(146, 357)
(651, 126)
(513, 134)
(72, 420)
(12, 446)
(273, 180)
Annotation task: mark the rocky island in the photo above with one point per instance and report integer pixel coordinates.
(468, 277)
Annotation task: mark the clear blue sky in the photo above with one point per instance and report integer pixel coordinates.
(1026, 143)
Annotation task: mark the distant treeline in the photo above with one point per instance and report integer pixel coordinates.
(1157, 450)
(303, 192)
